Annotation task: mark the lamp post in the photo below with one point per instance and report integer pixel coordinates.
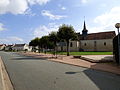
(117, 25)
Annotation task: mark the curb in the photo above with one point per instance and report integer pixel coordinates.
(84, 67)
(96, 61)
(6, 83)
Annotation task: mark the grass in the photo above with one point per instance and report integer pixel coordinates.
(84, 53)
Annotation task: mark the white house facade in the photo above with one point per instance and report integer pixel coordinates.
(22, 47)
(2, 46)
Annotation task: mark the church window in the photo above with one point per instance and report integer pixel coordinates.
(71, 44)
(95, 43)
(104, 43)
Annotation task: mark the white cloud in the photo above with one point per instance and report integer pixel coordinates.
(29, 13)
(18, 6)
(63, 8)
(107, 21)
(41, 2)
(45, 30)
(84, 1)
(2, 27)
(10, 40)
(52, 16)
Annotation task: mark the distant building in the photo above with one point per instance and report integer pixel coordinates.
(22, 47)
(8, 47)
(101, 41)
(2, 46)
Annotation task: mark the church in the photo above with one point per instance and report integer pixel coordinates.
(101, 41)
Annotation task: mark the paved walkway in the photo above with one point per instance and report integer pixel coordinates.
(98, 58)
(109, 67)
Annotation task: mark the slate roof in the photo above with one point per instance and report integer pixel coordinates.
(19, 45)
(99, 36)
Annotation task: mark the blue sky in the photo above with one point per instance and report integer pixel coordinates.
(23, 20)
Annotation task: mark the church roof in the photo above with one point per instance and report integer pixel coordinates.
(84, 27)
(100, 35)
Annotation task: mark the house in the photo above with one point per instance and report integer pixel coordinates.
(8, 47)
(22, 47)
(2, 46)
(101, 41)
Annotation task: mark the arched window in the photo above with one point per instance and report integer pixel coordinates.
(85, 44)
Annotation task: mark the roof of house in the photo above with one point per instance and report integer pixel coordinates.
(19, 45)
(99, 36)
(2, 44)
(9, 45)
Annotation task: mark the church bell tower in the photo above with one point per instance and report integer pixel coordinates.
(84, 31)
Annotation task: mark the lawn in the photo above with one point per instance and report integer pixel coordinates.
(85, 53)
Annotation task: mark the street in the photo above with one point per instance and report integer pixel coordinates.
(30, 73)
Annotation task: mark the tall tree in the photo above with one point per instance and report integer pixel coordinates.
(67, 33)
(35, 42)
(46, 44)
(54, 38)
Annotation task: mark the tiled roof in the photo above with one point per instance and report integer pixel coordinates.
(99, 36)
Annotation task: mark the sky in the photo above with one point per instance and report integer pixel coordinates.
(23, 20)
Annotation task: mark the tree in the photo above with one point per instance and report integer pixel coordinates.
(67, 33)
(35, 42)
(46, 44)
(54, 38)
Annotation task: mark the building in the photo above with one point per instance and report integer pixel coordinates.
(2, 46)
(74, 46)
(8, 47)
(22, 47)
(101, 41)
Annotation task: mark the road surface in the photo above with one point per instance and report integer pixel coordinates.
(29, 73)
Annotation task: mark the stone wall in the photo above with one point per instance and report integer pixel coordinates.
(97, 45)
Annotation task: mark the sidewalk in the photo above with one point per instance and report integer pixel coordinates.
(1, 84)
(108, 67)
(98, 58)
(5, 83)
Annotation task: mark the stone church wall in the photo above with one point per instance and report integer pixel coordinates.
(97, 45)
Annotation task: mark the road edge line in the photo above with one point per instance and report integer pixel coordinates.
(6, 82)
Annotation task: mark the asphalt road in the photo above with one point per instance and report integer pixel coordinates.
(28, 73)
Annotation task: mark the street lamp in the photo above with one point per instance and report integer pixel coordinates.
(117, 25)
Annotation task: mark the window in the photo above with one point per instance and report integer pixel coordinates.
(95, 43)
(85, 44)
(71, 44)
(104, 43)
